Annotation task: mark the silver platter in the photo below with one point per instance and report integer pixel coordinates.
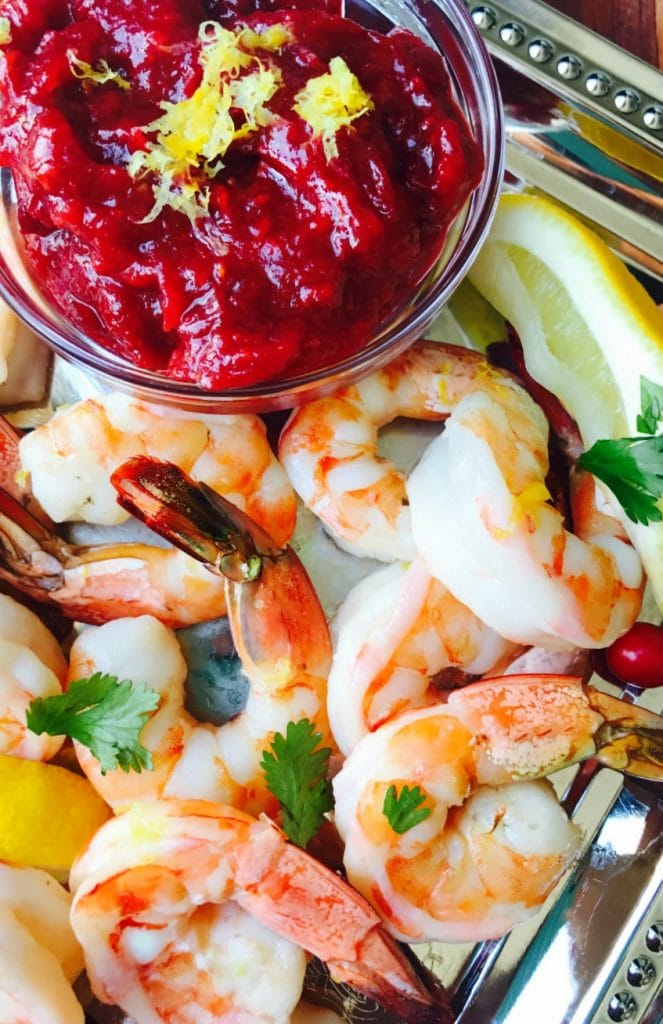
(584, 126)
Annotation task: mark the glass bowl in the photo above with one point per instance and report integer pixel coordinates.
(447, 27)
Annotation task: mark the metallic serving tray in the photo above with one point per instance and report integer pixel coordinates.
(584, 125)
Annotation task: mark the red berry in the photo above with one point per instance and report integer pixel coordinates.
(637, 657)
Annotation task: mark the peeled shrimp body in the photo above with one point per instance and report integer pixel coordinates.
(329, 447)
(31, 665)
(193, 912)
(482, 522)
(495, 843)
(39, 954)
(195, 759)
(86, 442)
(396, 629)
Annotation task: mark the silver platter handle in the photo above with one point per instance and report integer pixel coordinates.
(584, 123)
(574, 62)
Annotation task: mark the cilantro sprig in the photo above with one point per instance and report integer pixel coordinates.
(632, 467)
(295, 770)
(651, 404)
(104, 714)
(403, 810)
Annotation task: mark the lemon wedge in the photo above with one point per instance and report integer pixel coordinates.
(589, 330)
(47, 814)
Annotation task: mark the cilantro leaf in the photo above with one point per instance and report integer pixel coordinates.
(632, 467)
(102, 713)
(403, 810)
(651, 401)
(296, 773)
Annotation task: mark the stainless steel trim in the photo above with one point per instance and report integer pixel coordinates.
(576, 45)
(584, 123)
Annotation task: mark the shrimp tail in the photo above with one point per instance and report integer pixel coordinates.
(193, 517)
(383, 973)
(30, 554)
(630, 739)
(587, 723)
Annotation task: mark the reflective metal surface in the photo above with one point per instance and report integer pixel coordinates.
(584, 123)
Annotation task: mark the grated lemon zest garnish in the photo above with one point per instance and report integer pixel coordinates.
(330, 102)
(100, 75)
(5, 31)
(527, 504)
(194, 134)
(272, 39)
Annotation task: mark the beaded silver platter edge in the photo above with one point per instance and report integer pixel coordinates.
(584, 122)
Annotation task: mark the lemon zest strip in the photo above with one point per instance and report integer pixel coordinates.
(193, 135)
(100, 75)
(330, 102)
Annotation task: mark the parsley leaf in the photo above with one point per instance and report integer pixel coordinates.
(651, 401)
(296, 773)
(632, 467)
(102, 713)
(403, 810)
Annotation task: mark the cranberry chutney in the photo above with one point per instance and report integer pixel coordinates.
(228, 191)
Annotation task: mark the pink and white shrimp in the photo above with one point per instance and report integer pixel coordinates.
(490, 534)
(279, 630)
(329, 448)
(494, 842)
(194, 759)
(31, 665)
(85, 443)
(39, 954)
(401, 637)
(191, 911)
(101, 582)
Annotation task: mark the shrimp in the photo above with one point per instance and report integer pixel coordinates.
(490, 535)
(39, 954)
(329, 447)
(202, 760)
(99, 583)
(31, 665)
(192, 911)
(84, 443)
(398, 634)
(495, 841)
(280, 633)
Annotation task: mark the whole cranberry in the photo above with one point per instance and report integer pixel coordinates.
(637, 657)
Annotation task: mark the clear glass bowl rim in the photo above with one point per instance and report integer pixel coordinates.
(75, 346)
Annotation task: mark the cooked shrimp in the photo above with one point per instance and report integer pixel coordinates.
(491, 536)
(280, 633)
(31, 665)
(329, 447)
(84, 443)
(494, 843)
(99, 583)
(396, 631)
(39, 954)
(191, 911)
(196, 759)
